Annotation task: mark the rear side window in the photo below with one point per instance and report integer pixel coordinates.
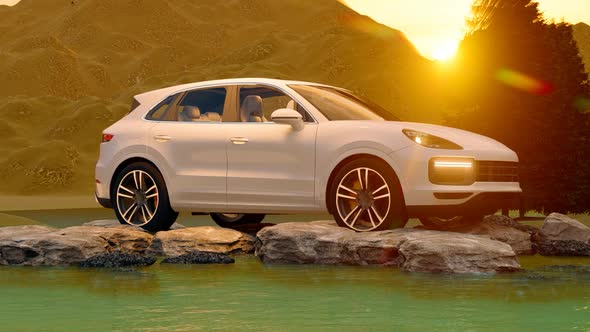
(204, 105)
(158, 112)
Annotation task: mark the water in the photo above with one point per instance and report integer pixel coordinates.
(250, 296)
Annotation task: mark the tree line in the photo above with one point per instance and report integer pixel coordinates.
(519, 78)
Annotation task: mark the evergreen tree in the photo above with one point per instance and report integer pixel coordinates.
(517, 79)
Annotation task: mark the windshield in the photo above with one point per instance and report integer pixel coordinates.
(339, 104)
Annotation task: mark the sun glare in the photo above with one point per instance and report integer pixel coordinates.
(445, 50)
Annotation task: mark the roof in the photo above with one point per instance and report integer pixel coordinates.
(156, 95)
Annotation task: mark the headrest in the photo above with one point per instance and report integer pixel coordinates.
(190, 113)
(291, 105)
(213, 117)
(251, 110)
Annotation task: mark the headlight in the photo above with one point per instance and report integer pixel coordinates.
(430, 141)
(451, 171)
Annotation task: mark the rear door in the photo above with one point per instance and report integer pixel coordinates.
(190, 138)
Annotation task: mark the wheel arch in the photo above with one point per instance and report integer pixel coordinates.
(355, 156)
(126, 163)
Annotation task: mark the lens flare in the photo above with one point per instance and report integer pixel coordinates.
(523, 82)
(582, 104)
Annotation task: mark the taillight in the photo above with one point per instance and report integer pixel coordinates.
(107, 137)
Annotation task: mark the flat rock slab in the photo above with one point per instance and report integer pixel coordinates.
(39, 245)
(413, 250)
(205, 238)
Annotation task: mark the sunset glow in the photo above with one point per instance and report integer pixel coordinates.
(435, 28)
(445, 50)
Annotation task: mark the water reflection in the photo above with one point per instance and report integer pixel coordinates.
(106, 282)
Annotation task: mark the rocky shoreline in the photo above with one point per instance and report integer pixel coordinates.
(489, 246)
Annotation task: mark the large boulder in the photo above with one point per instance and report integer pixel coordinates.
(412, 250)
(38, 245)
(561, 235)
(500, 228)
(205, 238)
(559, 227)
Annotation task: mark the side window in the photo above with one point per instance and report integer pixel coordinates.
(258, 102)
(201, 105)
(159, 111)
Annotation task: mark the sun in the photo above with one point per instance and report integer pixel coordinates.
(444, 50)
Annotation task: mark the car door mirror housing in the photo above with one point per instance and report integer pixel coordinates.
(288, 116)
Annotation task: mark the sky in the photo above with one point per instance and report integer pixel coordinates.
(437, 26)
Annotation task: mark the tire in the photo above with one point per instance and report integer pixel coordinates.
(229, 220)
(377, 207)
(140, 198)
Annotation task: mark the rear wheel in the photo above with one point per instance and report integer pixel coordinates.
(365, 195)
(236, 219)
(140, 198)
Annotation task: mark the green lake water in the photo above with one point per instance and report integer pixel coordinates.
(552, 294)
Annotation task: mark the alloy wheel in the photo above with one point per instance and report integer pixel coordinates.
(137, 198)
(363, 199)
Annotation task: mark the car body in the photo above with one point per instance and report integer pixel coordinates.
(217, 151)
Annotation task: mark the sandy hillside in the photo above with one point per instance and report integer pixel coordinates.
(69, 68)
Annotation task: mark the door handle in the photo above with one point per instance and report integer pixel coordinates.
(239, 140)
(162, 138)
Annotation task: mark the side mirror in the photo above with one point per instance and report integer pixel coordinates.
(288, 116)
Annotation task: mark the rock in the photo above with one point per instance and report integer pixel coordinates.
(445, 252)
(500, 228)
(200, 257)
(113, 223)
(206, 238)
(117, 259)
(559, 227)
(413, 250)
(251, 229)
(323, 242)
(38, 245)
(563, 248)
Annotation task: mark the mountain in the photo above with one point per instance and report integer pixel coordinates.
(70, 67)
(582, 36)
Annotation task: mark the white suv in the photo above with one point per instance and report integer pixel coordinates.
(243, 148)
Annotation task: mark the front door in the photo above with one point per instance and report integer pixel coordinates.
(270, 166)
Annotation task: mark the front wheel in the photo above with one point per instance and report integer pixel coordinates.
(140, 198)
(365, 195)
(229, 220)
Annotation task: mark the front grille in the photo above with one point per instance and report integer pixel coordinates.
(496, 171)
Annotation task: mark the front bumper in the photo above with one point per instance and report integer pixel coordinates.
(480, 204)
